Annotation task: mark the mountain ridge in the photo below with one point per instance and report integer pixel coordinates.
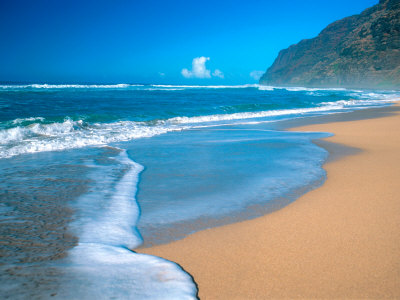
(359, 51)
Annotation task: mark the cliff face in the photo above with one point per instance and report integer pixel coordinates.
(359, 51)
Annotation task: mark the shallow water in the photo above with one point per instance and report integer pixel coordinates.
(214, 176)
(90, 172)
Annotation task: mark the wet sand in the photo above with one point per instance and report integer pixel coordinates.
(341, 240)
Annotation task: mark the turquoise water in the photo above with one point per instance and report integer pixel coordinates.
(89, 172)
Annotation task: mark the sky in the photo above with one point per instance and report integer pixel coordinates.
(160, 42)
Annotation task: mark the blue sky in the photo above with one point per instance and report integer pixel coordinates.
(154, 41)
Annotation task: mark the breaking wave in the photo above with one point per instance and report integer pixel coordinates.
(36, 134)
(39, 137)
(171, 87)
(252, 115)
(67, 86)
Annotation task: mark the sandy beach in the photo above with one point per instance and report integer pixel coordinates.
(341, 240)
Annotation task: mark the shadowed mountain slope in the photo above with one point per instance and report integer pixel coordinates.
(358, 51)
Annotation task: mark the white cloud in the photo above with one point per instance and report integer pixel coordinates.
(256, 75)
(199, 69)
(218, 73)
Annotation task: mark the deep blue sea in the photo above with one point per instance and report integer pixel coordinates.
(88, 173)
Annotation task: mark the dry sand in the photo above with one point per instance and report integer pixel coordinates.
(341, 240)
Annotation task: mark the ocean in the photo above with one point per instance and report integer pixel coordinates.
(89, 173)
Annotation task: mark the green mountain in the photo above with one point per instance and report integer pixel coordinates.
(360, 51)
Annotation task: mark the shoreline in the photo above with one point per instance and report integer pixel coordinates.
(182, 229)
(340, 240)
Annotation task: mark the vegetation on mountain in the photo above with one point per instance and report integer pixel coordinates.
(360, 51)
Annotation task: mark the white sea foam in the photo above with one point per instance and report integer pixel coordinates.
(107, 272)
(168, 87)
(297, 88)
(356, 103)
(266, 88)
(22, 120)
(171, 87)
(113, 219)
(245, 86)
(69, 86)
(101, 266)
(242, 86)
(164, 89)
(378, 95)
(305, 89)
(78, 86)
(252, 115)
(38, 137)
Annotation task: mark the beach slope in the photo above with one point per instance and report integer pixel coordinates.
(341, 240)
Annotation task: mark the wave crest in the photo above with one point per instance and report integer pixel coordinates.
(41, 135)
(38, 137)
